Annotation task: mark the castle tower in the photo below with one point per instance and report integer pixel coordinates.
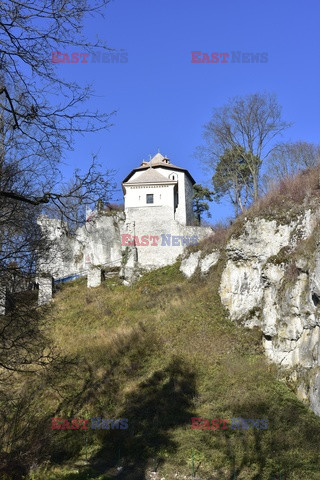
(159, 189)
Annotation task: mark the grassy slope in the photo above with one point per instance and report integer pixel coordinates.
(158, 353)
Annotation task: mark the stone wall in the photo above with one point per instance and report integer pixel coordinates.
(158, 225)
(99, 243)
(3, 299)
(94, 277)
(45, 282)
(189, 201)
(180, 213)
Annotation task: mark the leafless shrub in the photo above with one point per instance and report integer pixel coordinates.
(290, 191)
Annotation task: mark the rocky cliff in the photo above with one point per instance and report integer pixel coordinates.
(271, 280)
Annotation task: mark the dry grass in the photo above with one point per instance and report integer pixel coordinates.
(217, 240)
(290, 192)
(282, 202)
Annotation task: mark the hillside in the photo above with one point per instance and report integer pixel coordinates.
(159, 353)
(172, 347)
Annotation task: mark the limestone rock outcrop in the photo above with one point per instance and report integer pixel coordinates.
(271, 280)
(192, 261)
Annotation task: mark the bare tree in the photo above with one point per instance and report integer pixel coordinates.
(290, 158)
(30, 86)
(40, 113)
(248, 124)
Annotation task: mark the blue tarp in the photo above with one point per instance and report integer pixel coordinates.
(69, 278)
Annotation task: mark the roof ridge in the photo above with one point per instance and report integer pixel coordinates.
(149, 175)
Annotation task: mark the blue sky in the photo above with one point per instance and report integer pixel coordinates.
(162, 99)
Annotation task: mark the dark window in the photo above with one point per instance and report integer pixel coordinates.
(149, 197)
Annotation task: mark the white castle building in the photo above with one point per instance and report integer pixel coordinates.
(158, 199)
(161, 189)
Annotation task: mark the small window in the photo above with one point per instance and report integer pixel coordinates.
(149, 197)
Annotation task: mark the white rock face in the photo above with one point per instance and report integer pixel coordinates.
(260, 240)
(208, 261)
(242, 282)
(241, 287)
(259, 289)
(247, 275)
(98, 242)
(315, 394)
(189, 264)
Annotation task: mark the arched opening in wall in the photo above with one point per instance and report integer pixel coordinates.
(315, 299)
(267, 337)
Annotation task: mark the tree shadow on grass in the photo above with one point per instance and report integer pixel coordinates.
(278, 452)
(161, 403)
